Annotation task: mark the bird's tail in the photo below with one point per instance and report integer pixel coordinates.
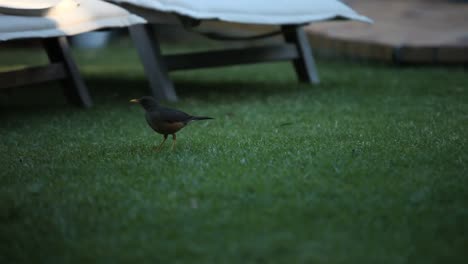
(200, 118)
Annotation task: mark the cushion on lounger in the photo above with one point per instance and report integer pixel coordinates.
(27, 7)
(272, 12)
(67, 17)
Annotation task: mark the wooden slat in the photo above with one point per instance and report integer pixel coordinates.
(148, 48)
(414, 55)
(447, 54)
(231, 57)
(75, 89)
(304, 64)
(32, 75)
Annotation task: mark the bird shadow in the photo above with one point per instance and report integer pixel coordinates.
(143, 149)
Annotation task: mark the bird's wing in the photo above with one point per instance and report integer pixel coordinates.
(173, 115)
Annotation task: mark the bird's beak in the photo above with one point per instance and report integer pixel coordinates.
(134, 101)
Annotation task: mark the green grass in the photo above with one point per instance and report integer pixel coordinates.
(368, 167)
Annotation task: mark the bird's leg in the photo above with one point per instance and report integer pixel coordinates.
(173, 141)
(158, 148)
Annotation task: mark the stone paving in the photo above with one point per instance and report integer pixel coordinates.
(404, 31)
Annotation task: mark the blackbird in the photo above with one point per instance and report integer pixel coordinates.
(165, 121)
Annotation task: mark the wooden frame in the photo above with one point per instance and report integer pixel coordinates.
(297, 49)
(62, 67)
(147, 45)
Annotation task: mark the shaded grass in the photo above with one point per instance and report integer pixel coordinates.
(368, 167)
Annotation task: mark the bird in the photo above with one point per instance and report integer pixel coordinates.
(165, 121)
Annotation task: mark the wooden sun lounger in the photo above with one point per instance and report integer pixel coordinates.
(156, 65)
(61, 68)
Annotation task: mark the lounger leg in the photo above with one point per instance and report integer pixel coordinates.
(305, 64)
(148, 48)
(75, 89)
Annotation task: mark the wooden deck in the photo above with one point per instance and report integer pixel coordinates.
(404, 31)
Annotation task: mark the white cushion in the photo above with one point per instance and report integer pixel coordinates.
(26, 7)
(271, 12)
(68, 17)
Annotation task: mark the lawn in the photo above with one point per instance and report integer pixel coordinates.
(370, 166)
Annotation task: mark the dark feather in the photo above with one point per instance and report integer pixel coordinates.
(173, 115)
